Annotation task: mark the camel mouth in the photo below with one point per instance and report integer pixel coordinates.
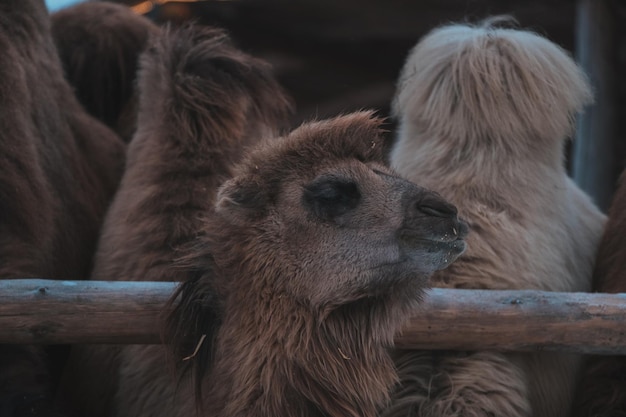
(434, 242)
(446, 252)
(439, 251)
(452, 247)
(452, 236)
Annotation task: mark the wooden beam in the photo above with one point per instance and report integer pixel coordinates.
(51, 312)
(518, 321)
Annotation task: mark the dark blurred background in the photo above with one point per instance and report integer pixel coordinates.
(336, 56)
(342, 55)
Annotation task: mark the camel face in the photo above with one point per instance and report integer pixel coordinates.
(376, 223)
(354, 229)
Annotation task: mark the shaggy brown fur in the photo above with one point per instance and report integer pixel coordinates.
(316, 254)
(99, 44)
(58, 170)
(483, 116)
(202, 101)
(603, 389)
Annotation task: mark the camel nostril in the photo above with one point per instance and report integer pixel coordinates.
(437, 210)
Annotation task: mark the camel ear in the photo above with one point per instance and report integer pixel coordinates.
(241, 200)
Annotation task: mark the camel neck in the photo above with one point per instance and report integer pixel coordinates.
(297, 366)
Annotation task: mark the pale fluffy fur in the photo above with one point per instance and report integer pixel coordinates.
(484, 113)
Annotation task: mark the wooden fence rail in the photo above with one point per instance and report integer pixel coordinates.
(50, 312)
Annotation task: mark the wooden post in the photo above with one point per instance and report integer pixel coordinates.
(36, 311)
(594, 162)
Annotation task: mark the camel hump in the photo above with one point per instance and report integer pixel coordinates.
(202, 71)
(486, 80)
(99, 44)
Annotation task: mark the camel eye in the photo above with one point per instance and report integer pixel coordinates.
(329, 196)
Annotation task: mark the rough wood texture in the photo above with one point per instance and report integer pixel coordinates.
(42, 311)
(518, 321)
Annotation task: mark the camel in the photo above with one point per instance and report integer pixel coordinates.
(99, 44)
(602, 391)
(484, 112)
(59, 169)
(201, 103)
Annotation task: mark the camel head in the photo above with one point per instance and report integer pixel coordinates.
(327, 222)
